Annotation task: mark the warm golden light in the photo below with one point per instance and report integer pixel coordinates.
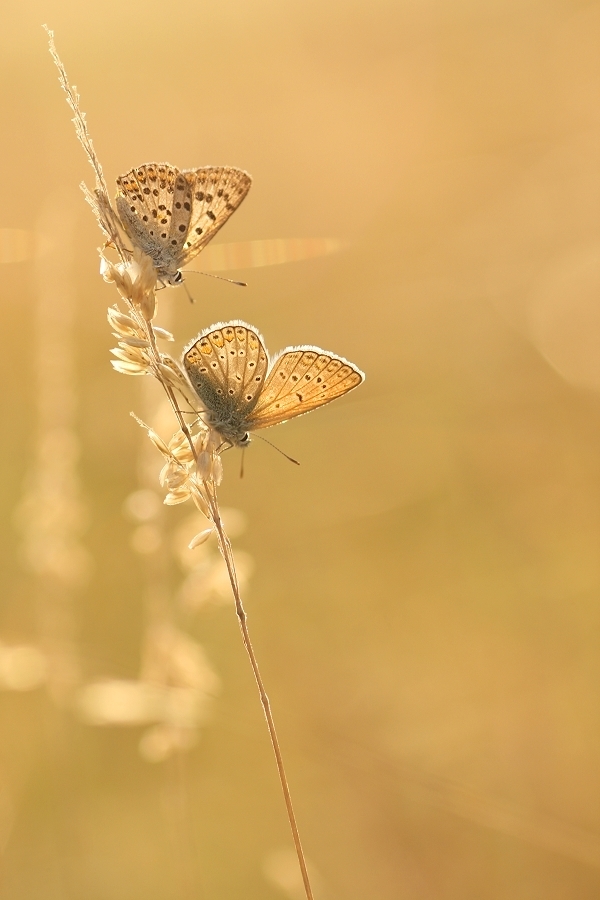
(423, 590)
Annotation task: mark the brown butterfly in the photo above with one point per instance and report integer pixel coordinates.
(172, 214)
(242, 390)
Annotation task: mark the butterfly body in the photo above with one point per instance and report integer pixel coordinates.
(172, 214)
(242, 390)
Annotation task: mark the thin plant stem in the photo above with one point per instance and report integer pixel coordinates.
(149, 330)
(227, 553)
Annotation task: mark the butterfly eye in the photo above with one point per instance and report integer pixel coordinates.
(245, 440)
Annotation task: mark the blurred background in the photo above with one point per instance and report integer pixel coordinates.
(424, 590)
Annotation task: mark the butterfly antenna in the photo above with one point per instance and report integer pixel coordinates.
(220, 277)
(187, 290)
(291, 458)
(242, 463)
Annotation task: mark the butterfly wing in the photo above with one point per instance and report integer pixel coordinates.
(301, 379)
(216, 194)
(227, 365)
(145, 202)
(172, 215)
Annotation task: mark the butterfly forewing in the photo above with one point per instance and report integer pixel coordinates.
(227, 365)
(181, 212)
(217, 193)
(302, 379)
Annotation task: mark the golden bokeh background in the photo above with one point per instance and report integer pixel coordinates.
(425, 588)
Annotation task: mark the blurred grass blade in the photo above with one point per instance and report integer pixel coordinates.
(252, 254)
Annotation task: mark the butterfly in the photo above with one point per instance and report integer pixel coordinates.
(242, 390)
(171, 214)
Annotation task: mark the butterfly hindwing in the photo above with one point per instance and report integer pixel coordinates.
(302, 379)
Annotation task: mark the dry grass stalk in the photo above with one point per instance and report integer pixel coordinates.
(192, 463)
(99, 200)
